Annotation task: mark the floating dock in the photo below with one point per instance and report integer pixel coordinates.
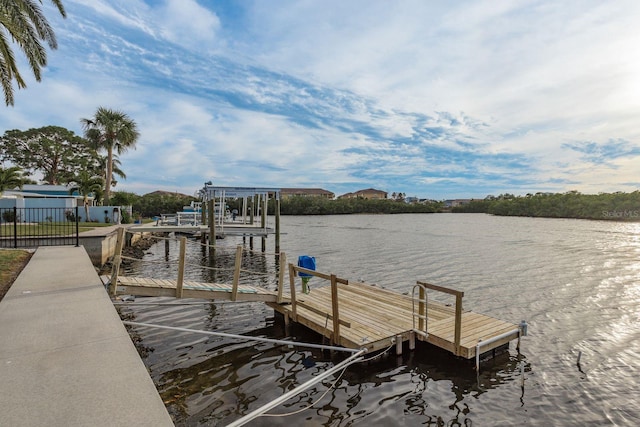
(350, 314)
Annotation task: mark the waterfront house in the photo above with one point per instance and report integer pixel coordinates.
(306, 192)
(369, 193)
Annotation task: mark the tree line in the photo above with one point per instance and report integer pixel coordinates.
(89, 163)
(606, 206)
(300, 205)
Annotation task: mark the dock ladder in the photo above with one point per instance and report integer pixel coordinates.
(421, 315)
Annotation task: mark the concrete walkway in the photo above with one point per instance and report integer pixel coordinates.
(65, 357)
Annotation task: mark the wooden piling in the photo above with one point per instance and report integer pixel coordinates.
(263, 221)
(212, 222)
(283, 266)
(456, 339)
(236, 273)
(181, 262)
(117, 259)
(292, 291)
(277, 248)
(335, 310)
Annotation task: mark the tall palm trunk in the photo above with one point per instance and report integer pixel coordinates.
(86, 209)
(107, 185)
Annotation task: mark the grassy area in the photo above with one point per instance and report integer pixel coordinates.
(11, 264)
(48, 228)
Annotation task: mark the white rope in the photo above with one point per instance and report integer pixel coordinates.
(333, 384)
(243, 337)
(313, 381)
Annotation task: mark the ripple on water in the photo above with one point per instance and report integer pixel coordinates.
(576, 282)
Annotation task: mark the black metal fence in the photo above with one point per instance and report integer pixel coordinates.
(32, 227)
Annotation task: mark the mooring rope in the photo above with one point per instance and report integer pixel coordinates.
(333, 384)
(313, 381)
(356, 357)
(243, 337)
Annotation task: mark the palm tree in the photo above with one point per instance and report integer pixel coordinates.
(117, 171)
(110, 130)
(23, 23)
(11, 178)
(86, 184)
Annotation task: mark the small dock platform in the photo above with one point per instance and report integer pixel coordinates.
(374, 318)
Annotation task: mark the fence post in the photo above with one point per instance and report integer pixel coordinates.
(181, 260)
(236, 273)
(15, 227)
(77, 228)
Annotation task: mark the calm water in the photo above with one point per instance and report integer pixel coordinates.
(576, 283)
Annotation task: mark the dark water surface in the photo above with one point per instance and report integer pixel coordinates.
(576, 282)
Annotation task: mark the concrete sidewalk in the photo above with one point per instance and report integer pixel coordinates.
(65, 357)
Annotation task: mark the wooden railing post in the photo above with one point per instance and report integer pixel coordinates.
(292, 289)
(334, 309)
(283, 266)
(117, 259)
(181, 261)
(236, 273)
(458, 322)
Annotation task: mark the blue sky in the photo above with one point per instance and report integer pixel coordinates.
(436, 99)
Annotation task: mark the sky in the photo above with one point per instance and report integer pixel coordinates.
(435, 99)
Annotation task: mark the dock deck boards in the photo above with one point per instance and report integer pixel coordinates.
(376, 316)
(370, 316)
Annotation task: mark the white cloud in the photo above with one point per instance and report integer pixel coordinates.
(372, 92)
(188, 24)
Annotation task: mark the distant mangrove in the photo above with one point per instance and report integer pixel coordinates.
(605, 206)
(299, 205)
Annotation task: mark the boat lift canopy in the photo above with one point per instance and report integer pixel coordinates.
(211, 192)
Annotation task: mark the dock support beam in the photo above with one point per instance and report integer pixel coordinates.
(212, 223)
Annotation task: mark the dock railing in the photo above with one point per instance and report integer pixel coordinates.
(458, 310)
(335, 309)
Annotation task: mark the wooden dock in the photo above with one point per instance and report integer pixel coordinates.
(350, 314)
(143, 286)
